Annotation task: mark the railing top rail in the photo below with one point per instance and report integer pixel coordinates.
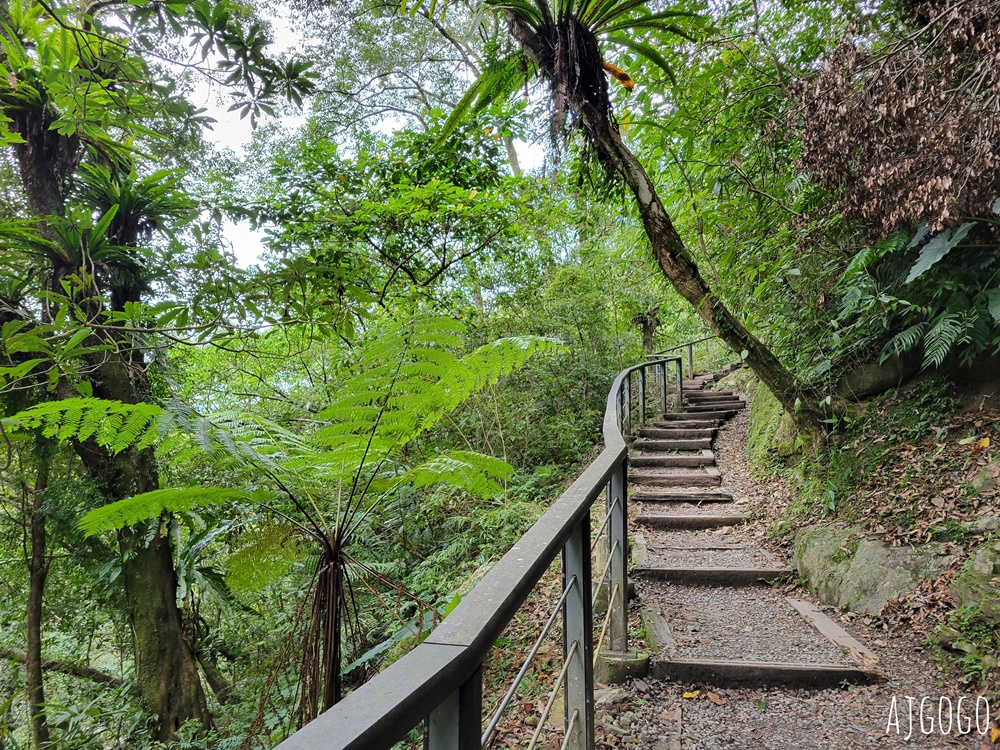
(397, 699)
(681, 346)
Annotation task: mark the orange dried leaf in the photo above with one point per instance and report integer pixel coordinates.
(619, 75)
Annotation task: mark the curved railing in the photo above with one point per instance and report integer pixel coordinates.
(440, 681)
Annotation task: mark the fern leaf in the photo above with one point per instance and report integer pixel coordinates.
(942, 336)
(475, 473)
(112, 424)
(904, 341)
(267, 553)
(149, 505)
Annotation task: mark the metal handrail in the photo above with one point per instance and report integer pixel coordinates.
(441, 679)
(681, 346)
(690, 351)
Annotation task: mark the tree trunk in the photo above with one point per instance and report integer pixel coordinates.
(38, 570)
(682, 272)
(165, 667)
(671, 254)
(166, 670)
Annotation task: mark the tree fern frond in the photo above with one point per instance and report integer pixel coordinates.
(489, 363)
(385, 405)
(148, 505)
(266, 554)
(113, 424)
(475, 473)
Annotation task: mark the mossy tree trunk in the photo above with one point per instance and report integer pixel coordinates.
(671, 254)
(166, 669)
(38, 571)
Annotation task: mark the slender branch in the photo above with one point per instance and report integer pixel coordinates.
(73, 669)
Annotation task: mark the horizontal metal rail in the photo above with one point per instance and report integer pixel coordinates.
(440, 681)
(690, 351)
(682, 346)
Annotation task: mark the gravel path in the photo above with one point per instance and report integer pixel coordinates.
(742, 624)
(757, 623)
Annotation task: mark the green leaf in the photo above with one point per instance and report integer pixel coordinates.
(936, 248)
(993, 302)
(76, 339)
(150, 505)
(918, 237)
(645, 50)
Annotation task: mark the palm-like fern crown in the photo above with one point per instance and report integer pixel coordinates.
(563, 42)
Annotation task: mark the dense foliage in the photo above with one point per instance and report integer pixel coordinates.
(231, 491)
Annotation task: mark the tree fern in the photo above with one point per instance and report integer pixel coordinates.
(266, 553)
(409, 377)
(475, 473)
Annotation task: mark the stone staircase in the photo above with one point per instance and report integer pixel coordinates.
(709, 598)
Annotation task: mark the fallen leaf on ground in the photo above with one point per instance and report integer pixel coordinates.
(716, 699)
(691, 694)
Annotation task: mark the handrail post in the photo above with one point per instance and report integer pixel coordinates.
(578, 628)
(618, 550)
(642, 396)
(457, 724)
(691, 361)
(680, 386)
(627, 405)
(665, 381)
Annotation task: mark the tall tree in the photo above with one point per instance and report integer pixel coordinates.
(73, 87)
(563, 44)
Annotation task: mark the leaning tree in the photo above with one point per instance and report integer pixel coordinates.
(562, 43)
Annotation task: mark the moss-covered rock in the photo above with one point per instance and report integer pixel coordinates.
(984, 480)
(873, 378)
(845, 568)
(978, 584)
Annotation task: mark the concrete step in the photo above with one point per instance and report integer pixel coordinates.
(687, 424)
(686, 415)
(705, 458)
(646, 444)
(664, 521)
(709, 477)
(682, 496)
(721, 673)
(705, 576)
(677, 433)
(720, 406)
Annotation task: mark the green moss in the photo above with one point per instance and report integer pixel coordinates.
(765, 418)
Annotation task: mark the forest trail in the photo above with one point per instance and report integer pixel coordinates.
(742, 657)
